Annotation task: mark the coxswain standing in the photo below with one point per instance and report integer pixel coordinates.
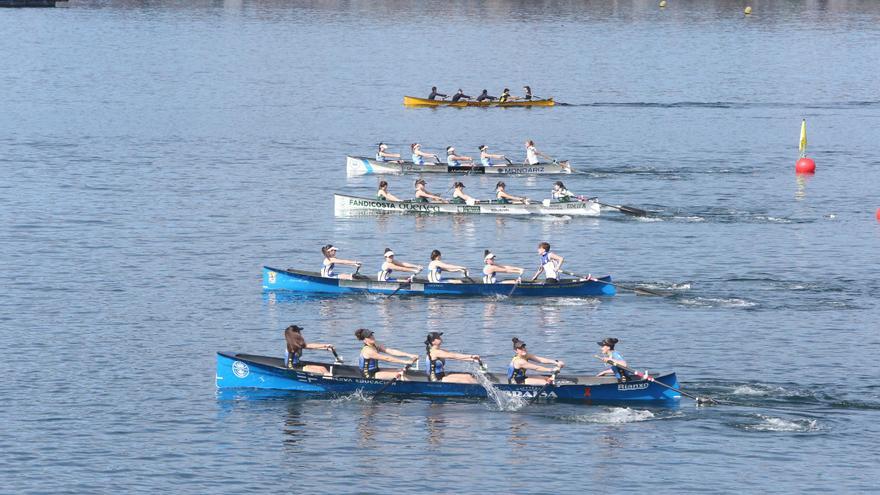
(532, 154)
(551, 264)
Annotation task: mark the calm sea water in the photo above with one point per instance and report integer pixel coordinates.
(154, 155)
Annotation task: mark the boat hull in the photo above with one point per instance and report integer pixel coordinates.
(344, 205)
(413, 101)
(358, 165)
(237, 371)
(314, 283)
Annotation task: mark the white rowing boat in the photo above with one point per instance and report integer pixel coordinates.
(344, 205)
(358, 165)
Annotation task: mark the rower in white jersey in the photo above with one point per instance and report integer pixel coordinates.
(486, 157)
(459, 196)
(491, 268)
(454, 160)
(330, 262)
(418, 156)
(561, 193)
(390, 265)
(532, 154)
(436, 268)
(551, 264)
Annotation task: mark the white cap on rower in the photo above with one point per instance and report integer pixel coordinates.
(489, 257)
(383, 146)
(450, 149)
(389, 253)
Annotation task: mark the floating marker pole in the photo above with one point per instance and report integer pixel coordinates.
(804, 165)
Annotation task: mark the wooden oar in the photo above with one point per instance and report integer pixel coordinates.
(400, 374)
(637, 290)
(646, 376)
(550, 382)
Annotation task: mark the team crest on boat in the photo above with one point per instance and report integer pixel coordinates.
(240, 369)
(271, 276)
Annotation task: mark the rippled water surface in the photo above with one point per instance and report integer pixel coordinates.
(153, 156)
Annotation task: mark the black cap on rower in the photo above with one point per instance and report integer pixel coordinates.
(432, 337)
(609, 341)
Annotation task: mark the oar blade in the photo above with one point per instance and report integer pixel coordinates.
(630, 210)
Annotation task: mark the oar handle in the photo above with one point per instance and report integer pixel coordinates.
(335, 355)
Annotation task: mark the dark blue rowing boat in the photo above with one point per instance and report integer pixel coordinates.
(313, 282)
(263, 372)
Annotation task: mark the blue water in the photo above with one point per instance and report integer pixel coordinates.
(154, 155)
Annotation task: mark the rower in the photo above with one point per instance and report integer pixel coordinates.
(561, 193)
(491, 268)
(522, 361)
(528, 95)
(460, 95)
(295, 345)
(459, 196)
(434, 94)
(485, 96)
(551, 264)
(612, 358)
(532, 153)
(504, 198)
(505, 96)
(372, 352)
(486, 157)
(422, 194)
(454, 160)
(436, 268)
(418, 156)
(383, 195)
(436, 359)
(391, 265)
(384, 156)
(330, 262)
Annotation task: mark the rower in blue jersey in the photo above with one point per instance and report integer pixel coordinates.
(459, 196)
(390, 265)
(503, 197)
(454, 160)
(522, 361)
(422, 194)
(436, 360)
(612, 357)
(383, 195)
(551, 264)
(372, 352)
(418, 156)
(295, 345)
(486, 157)
(330, 262)
(382, 155)
(436, 268)
(491, 268)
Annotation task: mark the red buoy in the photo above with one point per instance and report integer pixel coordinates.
(878, 214)
(805, 166)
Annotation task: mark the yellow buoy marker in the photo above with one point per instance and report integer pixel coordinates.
(748, 10)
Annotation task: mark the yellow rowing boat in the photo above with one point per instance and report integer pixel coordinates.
(412, 101)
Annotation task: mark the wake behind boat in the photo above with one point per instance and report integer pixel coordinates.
(344, 204)
(237, 370)
(313, 283)
(359, 165)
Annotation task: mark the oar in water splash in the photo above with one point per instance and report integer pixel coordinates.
(645, 376)
(550, 382)
(397, 377)
(637, 290)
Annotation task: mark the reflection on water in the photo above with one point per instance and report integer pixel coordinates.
(801, 192)
(294, 426)
(435, 423)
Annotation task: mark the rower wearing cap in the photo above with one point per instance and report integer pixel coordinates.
(505, 96)
(612, 357)
(551, 264)
(418, 156)
(532, 153)
(423, 195)
(522, 361)
(486, 157)
(528, 95)
(434, 94)
(295, 345)
(491, 268)
(504, 198)
(383, 195)
(436, 360)
(390, 265)
(485, 96)
(436, 268)
(454, 160)
(372, 352)
(460, 95)
(384, 156)
(459, 196)
(561, 193)
(330, 262)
